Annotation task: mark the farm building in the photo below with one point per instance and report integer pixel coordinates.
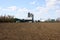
(23, 20)
(29, 19)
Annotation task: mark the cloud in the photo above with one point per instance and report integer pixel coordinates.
(50, 4)
(22, 9)
(57, 7)
(51, 9)
(39, 11)
(11, 8)
(0, 8)
(42, 9)
(33, 2)
(58, 11)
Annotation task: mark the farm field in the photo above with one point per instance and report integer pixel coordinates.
(29, 31)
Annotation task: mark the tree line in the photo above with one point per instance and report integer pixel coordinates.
(11, 19)
(7, 19)
(49, 20)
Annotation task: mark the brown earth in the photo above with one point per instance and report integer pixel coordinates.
(29, 31)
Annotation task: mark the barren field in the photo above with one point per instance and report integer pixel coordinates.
(29, 31)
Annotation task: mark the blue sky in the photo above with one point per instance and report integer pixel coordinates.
(42, 9)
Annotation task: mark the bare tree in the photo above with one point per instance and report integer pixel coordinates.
(58, 19)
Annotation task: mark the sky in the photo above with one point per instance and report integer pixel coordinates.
(41, 9)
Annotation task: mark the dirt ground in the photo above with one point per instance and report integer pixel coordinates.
(29, 31)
